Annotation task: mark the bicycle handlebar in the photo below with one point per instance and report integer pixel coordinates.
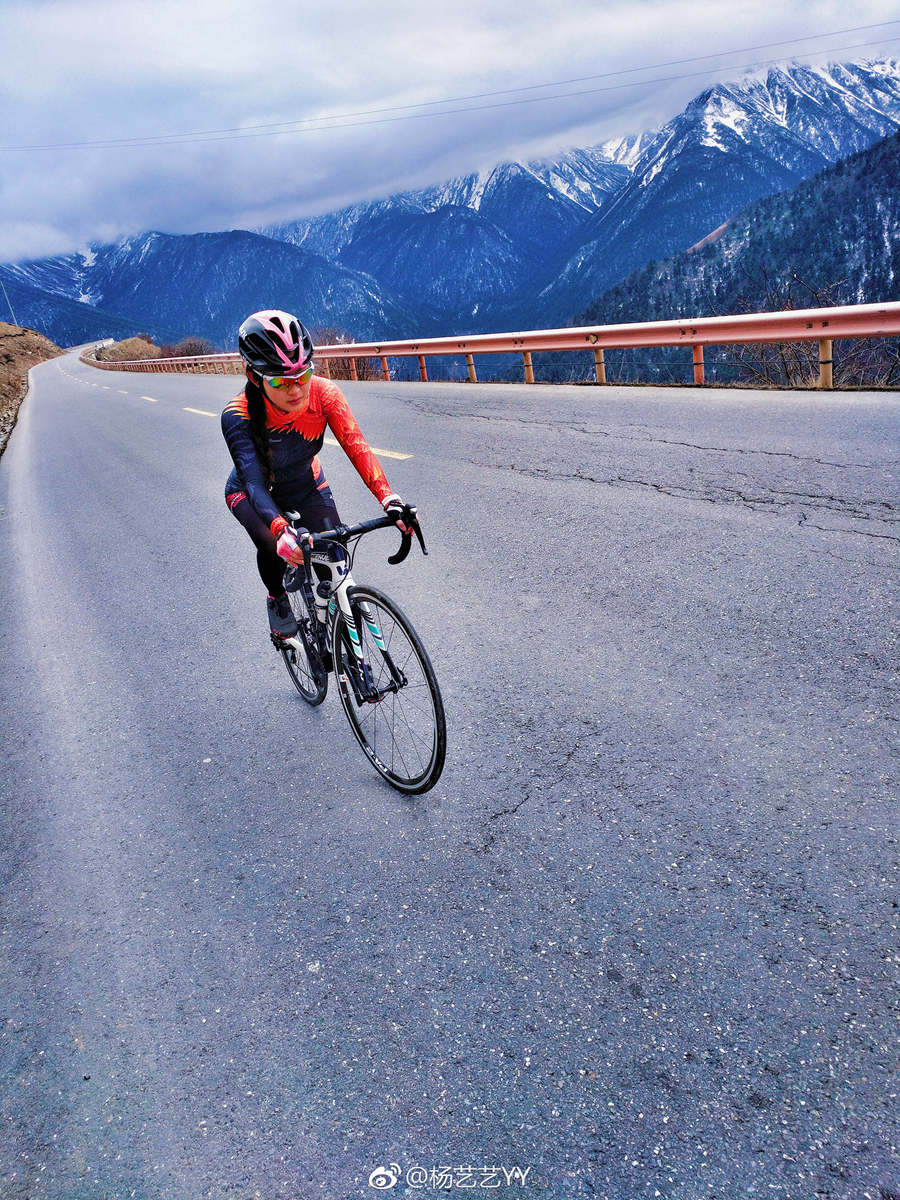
(345, 532)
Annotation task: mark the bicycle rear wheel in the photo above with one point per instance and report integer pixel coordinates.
(396, 715)
(301, 656)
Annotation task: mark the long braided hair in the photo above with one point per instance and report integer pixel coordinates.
(259, 430)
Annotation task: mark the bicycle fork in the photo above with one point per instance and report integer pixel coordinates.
(359, 671)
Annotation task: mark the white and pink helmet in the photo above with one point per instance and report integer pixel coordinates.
(274, 343)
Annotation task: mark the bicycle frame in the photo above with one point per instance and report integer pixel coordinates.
(332, 556)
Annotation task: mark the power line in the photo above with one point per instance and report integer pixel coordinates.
(314, 124)
(9, 303)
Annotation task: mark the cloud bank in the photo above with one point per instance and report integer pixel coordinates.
(313, 98)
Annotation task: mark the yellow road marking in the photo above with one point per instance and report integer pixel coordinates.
(121, 393)
(201, 412)
(152, 399)
(383, 453)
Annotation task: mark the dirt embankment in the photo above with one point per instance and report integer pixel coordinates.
(20, 349)
(131, 350)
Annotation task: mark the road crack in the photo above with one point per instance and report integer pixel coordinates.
(507, 812)
(650, 440)
(765, 500)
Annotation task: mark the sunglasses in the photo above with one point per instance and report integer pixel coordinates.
(280, 381)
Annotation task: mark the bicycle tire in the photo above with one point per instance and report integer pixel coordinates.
(404, 734)
(311, 684)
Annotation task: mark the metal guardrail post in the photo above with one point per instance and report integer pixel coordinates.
(353, 374)
(529, 369)
(385, 373)
(699, 368)
(470, 367)
(826, 363)
(423, 374)
(599, 365)
(326, 370)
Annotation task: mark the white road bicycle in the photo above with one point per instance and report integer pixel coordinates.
(385, 679)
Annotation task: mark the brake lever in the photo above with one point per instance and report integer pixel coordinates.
(417, 530)
(295, 577)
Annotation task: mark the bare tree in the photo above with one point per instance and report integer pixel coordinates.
(339, 368)
(193, 346)
(862, 362)
(781, 364)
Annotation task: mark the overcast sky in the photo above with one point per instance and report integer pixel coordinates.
(76, 71)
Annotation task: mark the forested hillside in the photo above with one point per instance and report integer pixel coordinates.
(833, 239)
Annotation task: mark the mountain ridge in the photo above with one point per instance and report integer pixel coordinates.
(829, 232)
(200, 282)
(702, 168)
(519, 246)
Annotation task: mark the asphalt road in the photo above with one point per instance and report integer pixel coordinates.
(642, 938)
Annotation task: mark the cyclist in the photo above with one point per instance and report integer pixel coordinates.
(274, 429)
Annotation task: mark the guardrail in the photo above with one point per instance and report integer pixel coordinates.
(203, 364)
(822, 325)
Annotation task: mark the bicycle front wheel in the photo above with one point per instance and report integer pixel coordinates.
(301, 656)
(390, 695)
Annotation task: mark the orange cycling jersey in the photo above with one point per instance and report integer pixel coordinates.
(295, 440)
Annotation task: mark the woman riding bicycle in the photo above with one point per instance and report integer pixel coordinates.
(274, 429)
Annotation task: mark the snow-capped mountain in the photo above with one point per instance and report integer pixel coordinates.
(733, 144)
(528, 244)
(448, 249)
(201, 283)
(514, 196)
(833, 239)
